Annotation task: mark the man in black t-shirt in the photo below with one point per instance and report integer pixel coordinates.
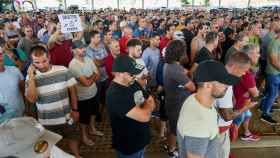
(129, 109)
(188, 34)
(206, 53)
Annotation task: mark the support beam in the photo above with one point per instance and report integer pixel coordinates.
(220, 2)
(193, 3)
(65, 5)
(143, 4)
(249, 3)
(167, 3)
(92, 4)
(118, 4)
(34, 3)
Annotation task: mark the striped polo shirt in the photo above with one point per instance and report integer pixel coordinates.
(53, 101)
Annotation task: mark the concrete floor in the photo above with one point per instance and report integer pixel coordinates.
(239, 153)
(263, 149)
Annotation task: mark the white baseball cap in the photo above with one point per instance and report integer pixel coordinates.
(24, 137)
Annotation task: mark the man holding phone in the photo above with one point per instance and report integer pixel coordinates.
(49, 86)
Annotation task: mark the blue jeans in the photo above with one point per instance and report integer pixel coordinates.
(138, 154)
(271, 93)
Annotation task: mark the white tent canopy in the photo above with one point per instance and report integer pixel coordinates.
(96, 4)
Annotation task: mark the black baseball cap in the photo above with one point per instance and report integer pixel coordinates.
(124, 63)
(211, 70)
(78, 44)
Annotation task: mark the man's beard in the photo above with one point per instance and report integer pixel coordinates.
(82, 55)
(221, 95)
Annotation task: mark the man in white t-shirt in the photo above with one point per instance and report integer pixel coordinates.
(197, 128)
(237, 65)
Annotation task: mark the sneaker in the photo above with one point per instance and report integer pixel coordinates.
(250, 137)
(97, 133)
(163, 144)
(173, 154)
(275, 108)
(269, 120)
(271, 110)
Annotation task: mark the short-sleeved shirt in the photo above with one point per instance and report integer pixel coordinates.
(61, 54)
(254, 40)
(145, 71)
(274, 47)
(174, 80)
(99, 53)
(163, 43)
(229, 52)
(18, 55)
(188, 38)
(9, 87)
(151, 58)
(109, 65)
(53, 102)
(196, 120)
(26, 45)
(9, 110)
(225, 103)
(200, 42)
(128, 135)
(203, 55)
(86, 69)
(265, 43)
(240, 90)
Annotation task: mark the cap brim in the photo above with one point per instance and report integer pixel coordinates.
(136, 71)
(230, 80)
(50, 137)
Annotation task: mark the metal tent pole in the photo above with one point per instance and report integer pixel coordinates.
(249, 3)
(92, 4)
(65, 5)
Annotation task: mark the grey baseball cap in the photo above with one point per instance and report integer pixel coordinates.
(24, 137)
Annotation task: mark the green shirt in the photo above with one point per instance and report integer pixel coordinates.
(230, 51)
(254, 40)
(274, 47)
(18, 55)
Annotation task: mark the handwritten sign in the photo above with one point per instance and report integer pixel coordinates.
(70, 23)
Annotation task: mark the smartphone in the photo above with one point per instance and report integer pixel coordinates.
(34, 72)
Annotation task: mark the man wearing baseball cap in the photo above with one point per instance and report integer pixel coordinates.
(129, 109)
(86, 73)
(24, 137)
(197, 124)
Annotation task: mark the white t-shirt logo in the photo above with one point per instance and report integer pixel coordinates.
(139, 97)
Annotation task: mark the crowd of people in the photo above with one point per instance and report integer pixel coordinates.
(199, 72)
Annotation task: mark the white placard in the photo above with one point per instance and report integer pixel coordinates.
(70, 23)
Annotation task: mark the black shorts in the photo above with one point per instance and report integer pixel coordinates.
(101, 92)
(65, 130)
(87, 108)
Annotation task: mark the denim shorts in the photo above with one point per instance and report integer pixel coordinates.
(203, 147)
(240, 119)
(138, 154)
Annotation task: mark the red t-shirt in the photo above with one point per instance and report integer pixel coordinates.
(123, 42)
(163, 43)
(240, 90)
(61, 54)
(108, 65)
